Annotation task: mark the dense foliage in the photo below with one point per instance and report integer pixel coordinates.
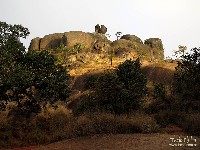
(118, 92)
(187, 78)
(28, 78)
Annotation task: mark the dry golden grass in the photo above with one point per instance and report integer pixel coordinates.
(54, 125)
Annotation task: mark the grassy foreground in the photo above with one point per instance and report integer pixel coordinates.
(53, 125)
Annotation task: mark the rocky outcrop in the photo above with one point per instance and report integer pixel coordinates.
(47, 42)
(157, 50)
(35, 44)
(74, 37)
(69, 39)
(154, 43)
(101, 29)
(51, 41)
(152, 49)
(132, 38)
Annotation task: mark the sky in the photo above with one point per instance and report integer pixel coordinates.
(176, 22)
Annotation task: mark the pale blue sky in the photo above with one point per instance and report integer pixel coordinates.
(176, 22)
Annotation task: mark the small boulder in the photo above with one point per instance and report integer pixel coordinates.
(101, 29)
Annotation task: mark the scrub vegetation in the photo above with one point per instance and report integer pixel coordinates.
(44, 99)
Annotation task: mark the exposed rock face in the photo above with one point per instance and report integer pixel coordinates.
(132, 38)
(122, 43)
(97, 28)
(69, 39)
(101, 29)
(152, 49)
(35, 44)
(51, 41)
(74, 37)
(154, 43)
(157, 50)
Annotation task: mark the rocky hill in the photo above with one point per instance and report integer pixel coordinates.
(81, 47)
(92, 53)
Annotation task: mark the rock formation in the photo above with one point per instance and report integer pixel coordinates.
(157, 50)
(97, 28)
(101, 29)
(73, 37)
(51, 41)
(132, 38)
(128, 45)
(154, 43)
(35, 44)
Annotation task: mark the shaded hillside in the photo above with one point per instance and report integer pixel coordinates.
(160, 72)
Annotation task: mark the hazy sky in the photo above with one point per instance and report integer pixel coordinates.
(176, 22)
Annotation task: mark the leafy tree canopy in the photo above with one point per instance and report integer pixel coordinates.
(187, 77)
(28, 78)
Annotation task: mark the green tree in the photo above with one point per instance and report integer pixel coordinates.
(187, 78)
(28, 78)
(121, 91)
(181, 51)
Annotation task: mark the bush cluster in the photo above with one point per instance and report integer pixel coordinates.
(118, 92)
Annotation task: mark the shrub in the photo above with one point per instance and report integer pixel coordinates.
(87, 104)
(91, 81)
(192, 124)
(166, 117)
(117, 92)
(159, 91)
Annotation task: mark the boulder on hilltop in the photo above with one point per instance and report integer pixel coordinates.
(100, 29)
(152, 49)
(51, 41)
(89, 41)
(35, 44)
(73, 37)
(154, 43)
(132, 38)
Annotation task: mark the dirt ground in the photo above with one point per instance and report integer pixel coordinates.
(119, 142)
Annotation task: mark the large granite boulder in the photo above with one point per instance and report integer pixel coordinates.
(121, 47)
(132, 38)
(35, 44)
(51, 41)
(154, 43)
(73, 37)
(157, 50)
